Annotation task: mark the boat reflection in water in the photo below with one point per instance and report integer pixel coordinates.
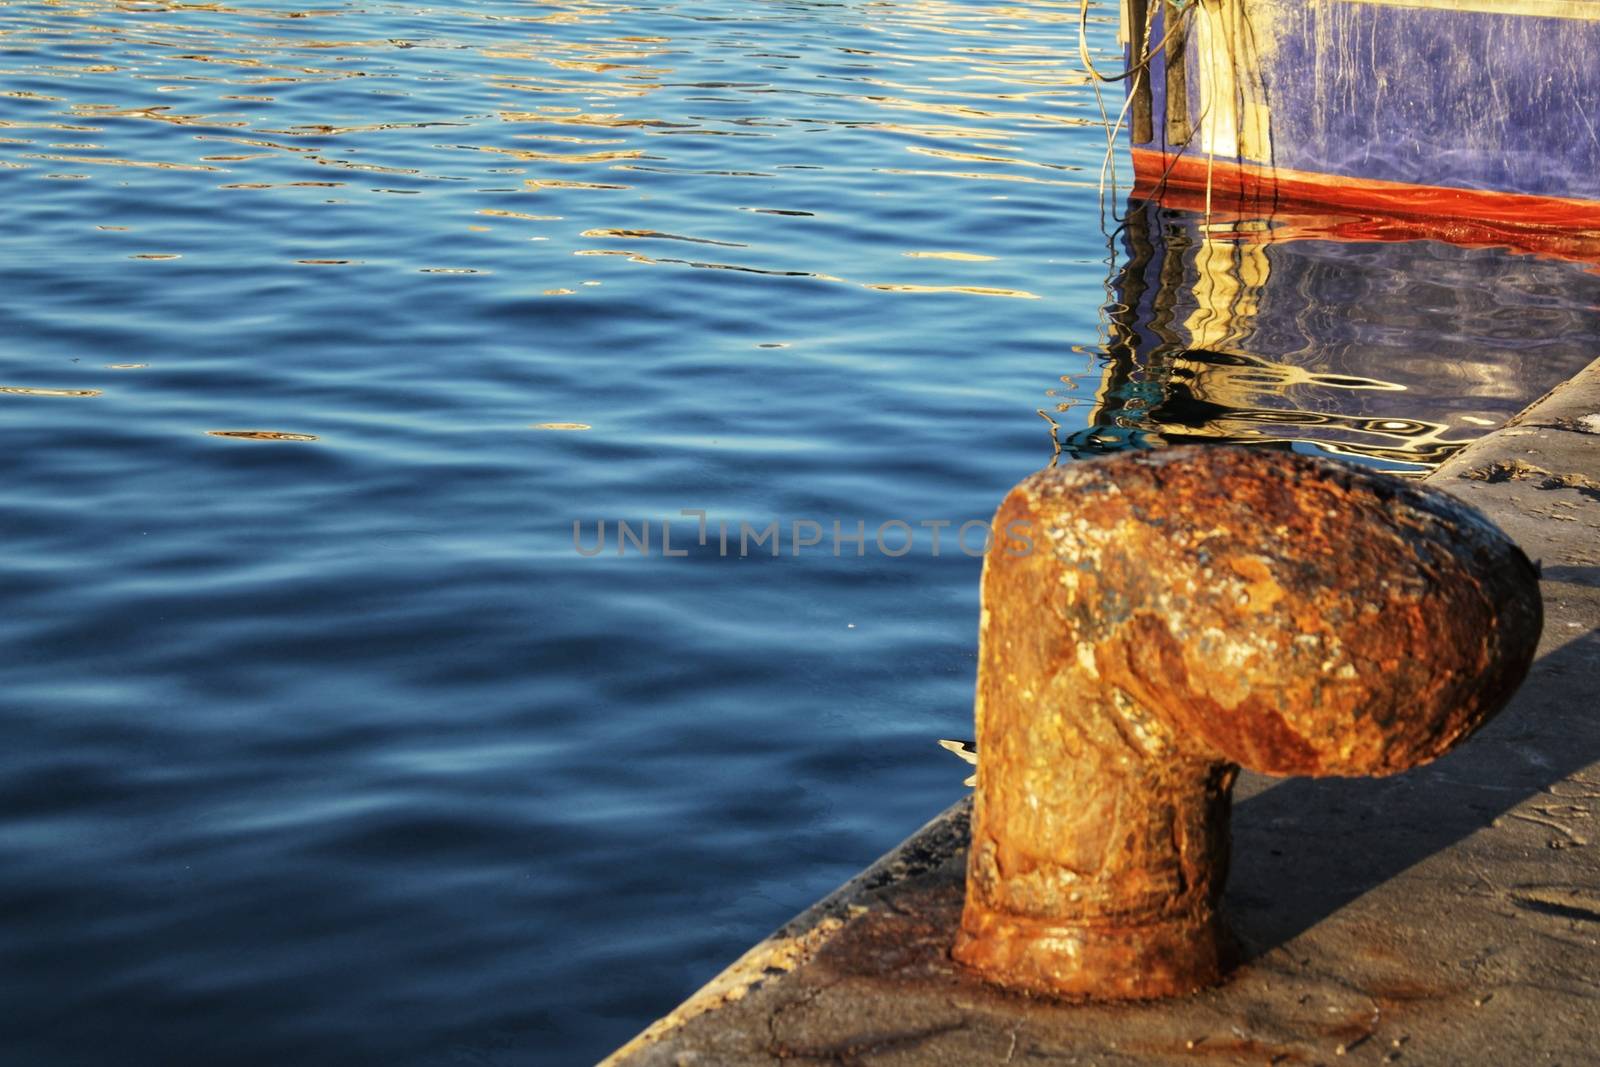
(1329, 333)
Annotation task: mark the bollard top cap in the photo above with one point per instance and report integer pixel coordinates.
(1285, 612)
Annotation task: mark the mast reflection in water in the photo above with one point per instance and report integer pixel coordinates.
(1271, 330)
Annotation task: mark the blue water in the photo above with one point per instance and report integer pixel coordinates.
(322, 744)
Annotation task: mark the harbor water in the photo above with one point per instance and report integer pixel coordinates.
(325, 741)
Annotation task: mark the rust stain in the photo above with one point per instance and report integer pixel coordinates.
(1226, 1050)
(853, 1050)
(1185, 613)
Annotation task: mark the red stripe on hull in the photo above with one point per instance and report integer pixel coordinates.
(1325, 206)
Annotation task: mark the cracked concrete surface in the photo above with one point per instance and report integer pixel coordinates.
(1450, 915)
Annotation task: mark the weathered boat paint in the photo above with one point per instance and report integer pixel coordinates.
(1312, 208)
(1477, 112)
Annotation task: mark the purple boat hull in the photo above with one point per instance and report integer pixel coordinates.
(1463, 109)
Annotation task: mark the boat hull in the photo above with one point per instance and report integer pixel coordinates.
(1482, 111)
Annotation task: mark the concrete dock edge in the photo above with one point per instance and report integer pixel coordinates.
(1450, 915)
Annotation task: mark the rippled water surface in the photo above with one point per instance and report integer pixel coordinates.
(322, 326)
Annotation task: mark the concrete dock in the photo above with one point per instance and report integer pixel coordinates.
(1449, 915)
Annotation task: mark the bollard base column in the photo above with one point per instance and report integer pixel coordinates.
(1167, 958)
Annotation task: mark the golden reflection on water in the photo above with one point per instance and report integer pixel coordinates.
(498, 213)
(558, 183)
(262, 435)
(657, 235)
(27, 390)
(985, 176)
(110, 161)
(1236, 331)
(989, 71)
(592, 120)
(882, 287)
(975, 290)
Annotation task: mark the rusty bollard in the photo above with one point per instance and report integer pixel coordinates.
(1179, 614)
